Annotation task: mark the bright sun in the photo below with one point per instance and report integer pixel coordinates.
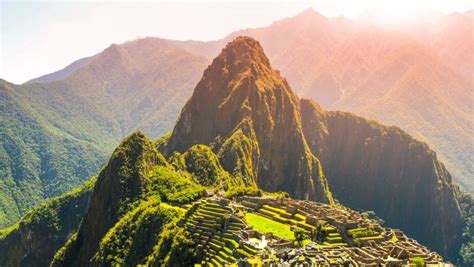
(400, 11)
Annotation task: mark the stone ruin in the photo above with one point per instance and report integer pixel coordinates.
(337, 235)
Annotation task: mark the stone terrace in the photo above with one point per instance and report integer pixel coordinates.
(337, 235)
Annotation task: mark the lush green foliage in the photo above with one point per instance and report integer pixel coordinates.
(40, 158)
(126, 200)
(300, 234)
(36, 237)
(362, 232)
(467, 249)
(48, 212)
(417, 261)
(203, 164)
(61, 253)
(130, 165)
(175, 248)
(132, 238)
(173, 186)
(242, 190)
(237, 153)
(55, 135)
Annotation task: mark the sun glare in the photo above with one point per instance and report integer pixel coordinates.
(401, 11)
(391, 12)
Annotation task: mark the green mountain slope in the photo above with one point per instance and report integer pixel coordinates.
(126, 200)
(40, 158)
(57, 134)
(40, 233)
(407, 78)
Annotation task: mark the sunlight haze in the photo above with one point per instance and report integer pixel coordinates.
(42, 37)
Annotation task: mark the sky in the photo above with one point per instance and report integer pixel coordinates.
(37, 38)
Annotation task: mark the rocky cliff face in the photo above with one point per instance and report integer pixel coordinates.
(247, 112)
(379, 168)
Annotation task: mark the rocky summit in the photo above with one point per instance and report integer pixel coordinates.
(251, 119)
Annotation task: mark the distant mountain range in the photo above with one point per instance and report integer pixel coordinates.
(242, 131)
(419, 79)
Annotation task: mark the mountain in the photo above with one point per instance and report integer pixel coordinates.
(59, 133)
(127, 198)
(408, 77)
(240, 94)
(417, 77)
(250, 115)
(362, 157)
(244, 130)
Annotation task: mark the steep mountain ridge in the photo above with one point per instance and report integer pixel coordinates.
(39, 157)
(242, 101)
(118, 185)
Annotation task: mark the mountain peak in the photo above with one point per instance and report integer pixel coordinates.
(242, 57)
(244, 44)
(246, 112)
(310, 16)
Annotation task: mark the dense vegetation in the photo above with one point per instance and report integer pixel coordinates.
(174, 186)
(56, 134)
(129, 201)
(39, 158)
(36, 237)
(132, 238)
(467, 249)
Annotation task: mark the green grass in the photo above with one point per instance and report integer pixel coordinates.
(417, 261)
(264, 225)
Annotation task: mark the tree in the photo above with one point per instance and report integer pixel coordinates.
(370, 214)
(300, 235)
